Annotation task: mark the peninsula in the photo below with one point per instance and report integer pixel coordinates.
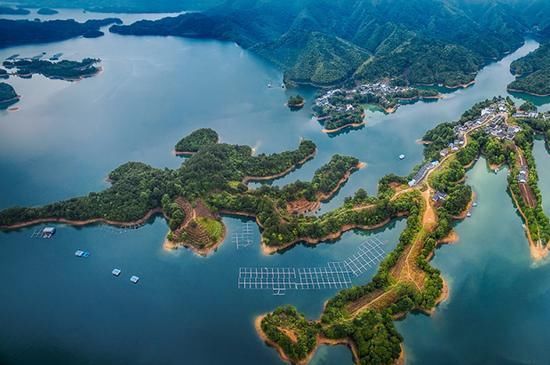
(362, 317)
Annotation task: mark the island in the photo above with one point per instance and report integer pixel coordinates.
(532, 72)
(8, 96)
(344, 108)
(47, 11)
(62, 70)
(296, 102)
(212, 182)
(20, 32)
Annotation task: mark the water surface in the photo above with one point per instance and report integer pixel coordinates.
(66, 137)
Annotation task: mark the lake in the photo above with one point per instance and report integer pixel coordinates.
(66, 137)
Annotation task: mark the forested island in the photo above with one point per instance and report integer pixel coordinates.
(20, 32)
(47, 11)
(363, 41)
(532, 72)
(7, 10)
(64, 70)
(296, 102)
(344, 108)
(8, 96)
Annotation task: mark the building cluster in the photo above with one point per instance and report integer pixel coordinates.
(497, 128)
(439, 198)
(423, 172)
(342, 100)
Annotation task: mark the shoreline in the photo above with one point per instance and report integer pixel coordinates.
(349, 125)
(324, 197)
(204, 252)
(527, 92)
(80, 223)
(538, 252)
(320, 340)
(248, 179)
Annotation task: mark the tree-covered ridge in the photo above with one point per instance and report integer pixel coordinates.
(19, 32)
(532, 72)
(65, 69)
(196, 140)
(8, 96)
(47, 11)
(325, 42)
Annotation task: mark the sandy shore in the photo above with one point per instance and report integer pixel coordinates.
(452, 237)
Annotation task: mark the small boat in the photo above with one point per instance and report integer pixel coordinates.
(269, 85)
(116, 272)
(475, 204)
(283, 86)
(468, 214)
(401, 157)
(134, 279)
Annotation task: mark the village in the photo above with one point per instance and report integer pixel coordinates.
(493, 118)
(384, 95)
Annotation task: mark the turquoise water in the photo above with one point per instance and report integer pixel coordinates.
(498, 309)
(66, 137)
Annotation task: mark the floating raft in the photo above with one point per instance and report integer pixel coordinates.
(116, 272)
(134, 279)
(80, 253)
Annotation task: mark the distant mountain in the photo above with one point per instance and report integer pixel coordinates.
(17, 32)
(325, 42)
(122, 6)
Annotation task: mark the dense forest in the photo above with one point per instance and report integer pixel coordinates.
(326, 42)
(8, 96)
(532, 72)
(196, 140)
(19, 32)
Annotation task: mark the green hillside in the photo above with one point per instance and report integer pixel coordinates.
(324, 42)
